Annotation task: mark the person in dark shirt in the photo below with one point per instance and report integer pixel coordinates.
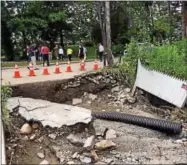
(32, 53)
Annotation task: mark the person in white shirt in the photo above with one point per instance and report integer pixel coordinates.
(60, 53)
(101, 50)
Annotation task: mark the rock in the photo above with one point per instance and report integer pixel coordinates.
(41, 139)
(100, 162)
(105, 144)
(92, 96)
(86, 160)
(103, 110)
(113, 81)
(108, 160)
(26, 129)
(75, 140)
(115, 89)
(127, 90)
(179, 141)
(40, 155)
(76, 101)
(109, 96)
(75, 155)
(94, 155)
(35, 126)
(85, 93)
(111, 134)
(44, 162)
(52, 136)
(89, 102)
(33, 137)
(89, 143)
(25, 138)
(131, 99)
(70, 162)
(60, 155)
(118, 110)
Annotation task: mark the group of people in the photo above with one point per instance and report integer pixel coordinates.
(43, 52)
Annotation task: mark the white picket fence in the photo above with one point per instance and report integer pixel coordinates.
(168, 88)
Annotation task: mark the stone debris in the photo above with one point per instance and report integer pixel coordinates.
(25, 138)
(115, 89)
(44, 162)
(85, 159)
(131, 100)
(127, 90)
(92, 96)
(111, 134)
(105, 144)
(94, 155)
(26, 129)
(33, 137)
(71, 162)
(52, 136)
(75, 155)
(108, 160)
(35, 126)
(40, 155)
(76, 140)
(89, 143)
(76, 101)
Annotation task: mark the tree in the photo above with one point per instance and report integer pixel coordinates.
(110, 58)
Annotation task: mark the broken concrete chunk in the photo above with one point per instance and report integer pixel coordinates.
(52, 136)
(35, 126)
(76, 101)
(52, 114)
(105, 144)
(44, 162)
(111, 134)
(40, 155)
(92, 96)
(115, 89)
(86, 160)
(25, 138)
(89, 143)
(75, 140)
(26, 129)
(75, 155)
(127, 90)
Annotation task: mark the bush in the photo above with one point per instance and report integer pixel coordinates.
(6, 93)
(88, 44)
(170, 59)
(118, 48)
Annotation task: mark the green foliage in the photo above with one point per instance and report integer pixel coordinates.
(169, 59)
(59, 16)
(6, 93)
(118, 48)
(88, 44)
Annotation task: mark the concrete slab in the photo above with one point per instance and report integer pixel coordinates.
(50, 114)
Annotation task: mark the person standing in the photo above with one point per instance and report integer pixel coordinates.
(61, 53)
(69, 53)
(45, 53)
(82, 53)
(56, 52)
(101, 50)
(32, 52)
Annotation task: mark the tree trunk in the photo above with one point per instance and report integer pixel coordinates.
(184, 19)
(110, 57)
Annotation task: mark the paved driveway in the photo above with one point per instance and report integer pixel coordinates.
(8, 74)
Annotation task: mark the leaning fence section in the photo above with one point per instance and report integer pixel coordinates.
(166, 87)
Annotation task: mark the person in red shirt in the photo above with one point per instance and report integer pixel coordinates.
(45, 53)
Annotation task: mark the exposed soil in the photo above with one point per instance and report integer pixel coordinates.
(134, 144)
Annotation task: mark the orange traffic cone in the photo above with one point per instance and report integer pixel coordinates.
(16, 72)
(95, 67)
(57, 69)
(68, 69)
(31, 70)
(45, 70)
(82, 66)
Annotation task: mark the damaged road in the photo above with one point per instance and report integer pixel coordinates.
(106, 142)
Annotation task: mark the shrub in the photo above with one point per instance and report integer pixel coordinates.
(88, 44)
(6, 93)
(170, 59)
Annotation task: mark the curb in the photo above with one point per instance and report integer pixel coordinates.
(3, 151)
(51, 64)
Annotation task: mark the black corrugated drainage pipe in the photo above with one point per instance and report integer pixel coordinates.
(156, 124)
